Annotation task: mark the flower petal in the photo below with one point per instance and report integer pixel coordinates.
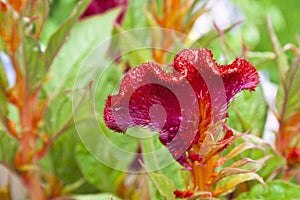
(181, 105)
(101, 6)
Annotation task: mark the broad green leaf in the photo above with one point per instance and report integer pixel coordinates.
(227, 184)
(58, 38)
(111, 148)
(84, 37)
(61, 162)
(157, 157)
(59, 114)
(31, 62)
(248, 112)
(35, 63)
(135, 17)
(107, 85)
(95, 197)
(60, 11)
(275, 190)
(164, 185)
(99, 175)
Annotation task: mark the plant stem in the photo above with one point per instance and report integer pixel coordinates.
(202, 175)
(26, 159)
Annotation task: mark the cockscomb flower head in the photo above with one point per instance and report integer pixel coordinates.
(101, 6)
(194, 96)
(187, 104)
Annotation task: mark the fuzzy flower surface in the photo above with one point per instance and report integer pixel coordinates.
(182, 105)
(101, 6)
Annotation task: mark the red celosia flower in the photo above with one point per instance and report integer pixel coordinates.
(183, 194)
(101, 6)
(194, 97)
(293, 157)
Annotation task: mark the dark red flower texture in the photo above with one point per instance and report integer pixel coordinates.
(182, 105)
(183, 194)
(101, 6)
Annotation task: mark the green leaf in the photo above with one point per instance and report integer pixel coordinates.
(84, 38)
(228, 171)
(31, 63)
(60, 161)
(157, 157)
(275, 190)
(3, 89)
(35, 63)
(99, 175)
(62, 155)
(96, 197)
(251, 164)
(227, 184)
(259, 58)
(58, 38)
(240, 148)
(60, 11)
(8, 147)
(248, 112)
(211, 36)
(272, 164)
(135, 17)
(58, 114)
(164, 185)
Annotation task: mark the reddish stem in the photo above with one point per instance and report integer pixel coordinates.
(26, 157)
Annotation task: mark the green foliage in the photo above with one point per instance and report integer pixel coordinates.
(101, 176)
(272, 165)
(65, 167)
(3, 90)
(87, 157)
(86, 35)
(229, 183)
(135, 17)
(68, 63)
(101, 196)
(58, 38)
(164, 185)
(273, 162)
(288, 96)
(59, 11)
(8, 148)
(275, 190)
(248, 112)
